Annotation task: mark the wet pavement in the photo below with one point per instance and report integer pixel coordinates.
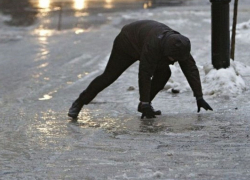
(43, 70)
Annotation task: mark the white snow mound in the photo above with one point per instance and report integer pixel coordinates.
(177, 80)
(225, 82)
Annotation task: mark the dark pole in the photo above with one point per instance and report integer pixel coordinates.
(234, 29)
(220, 34)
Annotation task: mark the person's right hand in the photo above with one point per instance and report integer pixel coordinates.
(147, 111)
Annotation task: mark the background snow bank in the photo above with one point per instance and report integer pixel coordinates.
(243, 31)
(225, 82)
(244, 25)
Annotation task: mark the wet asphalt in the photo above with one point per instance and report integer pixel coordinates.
(43, 70)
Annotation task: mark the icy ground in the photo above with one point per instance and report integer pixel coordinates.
(43, 71)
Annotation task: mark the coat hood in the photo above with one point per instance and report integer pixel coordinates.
(177, 46)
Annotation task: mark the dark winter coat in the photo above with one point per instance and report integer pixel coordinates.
(147, 38)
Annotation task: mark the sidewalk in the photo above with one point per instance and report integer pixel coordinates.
(110, 141)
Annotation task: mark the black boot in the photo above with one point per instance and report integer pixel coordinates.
(75, 108)
(139, 109)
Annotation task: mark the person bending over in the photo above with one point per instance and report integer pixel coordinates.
(156, 46)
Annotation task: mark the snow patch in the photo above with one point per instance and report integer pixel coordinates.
(243, 31)
(224, 82)
(241, 68)
(6, 36)
(177, 80)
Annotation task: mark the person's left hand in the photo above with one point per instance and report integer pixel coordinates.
(201, 103)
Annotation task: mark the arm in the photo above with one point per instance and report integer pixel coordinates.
(191, 72)
(148, 63)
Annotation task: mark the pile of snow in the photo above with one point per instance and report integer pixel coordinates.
(222, 82)
(228, 82)
(225, 82)
(177, 80)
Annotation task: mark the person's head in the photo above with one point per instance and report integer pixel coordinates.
(177, 47)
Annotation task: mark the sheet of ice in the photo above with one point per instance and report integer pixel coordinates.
(110, 141)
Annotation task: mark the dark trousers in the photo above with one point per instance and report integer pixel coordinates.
(122, 56)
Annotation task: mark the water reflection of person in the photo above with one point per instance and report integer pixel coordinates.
(21, 11)
(156, 46)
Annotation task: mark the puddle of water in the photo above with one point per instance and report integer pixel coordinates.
(121, 124)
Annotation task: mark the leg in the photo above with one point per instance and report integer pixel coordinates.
(117, 64)
(159, 80)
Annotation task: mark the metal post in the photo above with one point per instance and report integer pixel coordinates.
(220, 33)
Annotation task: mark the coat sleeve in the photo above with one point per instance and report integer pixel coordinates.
(191, 72)
(148, 63)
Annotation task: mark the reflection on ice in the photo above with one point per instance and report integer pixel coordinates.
(43, 32)
(108, 4)
(118, 124)
(79, 4)
(81, 14)
(44, 4)
(147, 5)
(79, 31)
(48, 95)
(42, 36)
(43, 65)
(45, 97)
